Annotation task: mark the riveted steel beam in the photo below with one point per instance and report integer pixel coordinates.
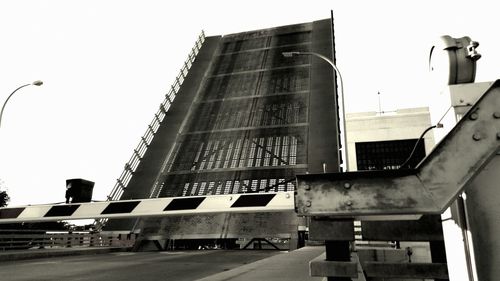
(428, 189)
(358, 194)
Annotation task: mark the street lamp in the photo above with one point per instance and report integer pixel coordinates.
(342, 124)
(36, 83)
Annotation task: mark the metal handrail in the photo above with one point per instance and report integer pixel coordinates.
(25, 239)
(140, 150)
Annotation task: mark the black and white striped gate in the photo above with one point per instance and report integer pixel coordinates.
(230, 203)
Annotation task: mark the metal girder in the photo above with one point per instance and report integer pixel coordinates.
(428, 189)
(427, 228)
(322, 228)
(358, 194)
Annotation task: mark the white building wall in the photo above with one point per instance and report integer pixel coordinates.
(402, 124)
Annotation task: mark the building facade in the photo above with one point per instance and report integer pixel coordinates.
(384, 141)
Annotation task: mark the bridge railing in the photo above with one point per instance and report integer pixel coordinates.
(140, 150)
(26, 239)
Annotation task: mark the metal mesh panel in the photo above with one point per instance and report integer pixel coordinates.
(242, 45)
(269, 148)
(291, 38)
(387, 155)
(257, 83)
(238, 45)
(285, 80)
(248, 129)
(280, 110)
(250, 61)
(230, 182)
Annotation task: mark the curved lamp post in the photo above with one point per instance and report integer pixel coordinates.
(342, 108)
(36, 83)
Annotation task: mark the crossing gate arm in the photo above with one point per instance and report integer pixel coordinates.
(428, 189)
(192, 205)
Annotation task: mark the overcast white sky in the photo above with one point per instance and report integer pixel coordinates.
(106, 66)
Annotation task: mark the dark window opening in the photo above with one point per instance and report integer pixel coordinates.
(388, 155)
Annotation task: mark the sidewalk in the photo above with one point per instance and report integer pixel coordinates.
(13, 255)
(290, 266)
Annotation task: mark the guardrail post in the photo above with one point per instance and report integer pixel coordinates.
(68, 240)
(337, 234)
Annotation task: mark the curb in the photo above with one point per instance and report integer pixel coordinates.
(44, 253)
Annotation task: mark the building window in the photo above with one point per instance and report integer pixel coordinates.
(388, 155)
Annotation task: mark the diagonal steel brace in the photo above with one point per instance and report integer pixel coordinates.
(428, 189)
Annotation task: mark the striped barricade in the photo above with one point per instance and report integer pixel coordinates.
(237, 203)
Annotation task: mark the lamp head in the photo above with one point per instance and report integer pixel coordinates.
(37, 83)
(290, 54)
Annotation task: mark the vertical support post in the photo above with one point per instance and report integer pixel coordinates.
(482, 209)
(438, 253)
(338, 251)
(68, 239)
(338, 235)
(301, 233)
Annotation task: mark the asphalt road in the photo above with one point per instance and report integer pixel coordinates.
(124, 266)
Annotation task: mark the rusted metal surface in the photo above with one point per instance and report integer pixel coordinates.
(462, 154)
(357, 194)
(427, 228)
(326, 229)
(221, 226)
(429, 189)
